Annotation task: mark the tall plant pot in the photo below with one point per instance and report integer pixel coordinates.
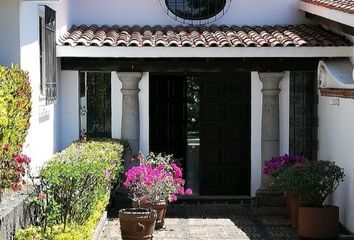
(161, 209)
(319, 223)
(137, 223)
(294, 211)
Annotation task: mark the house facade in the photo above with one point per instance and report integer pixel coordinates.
(223, 85)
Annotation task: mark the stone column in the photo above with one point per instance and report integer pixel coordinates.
(270, 117)
(130, 109)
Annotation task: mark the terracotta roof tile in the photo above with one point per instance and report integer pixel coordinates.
(202, 36)
(340, 5)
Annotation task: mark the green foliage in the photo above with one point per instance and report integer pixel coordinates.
(73, 181)
(72, 232)
(15, 111)
(15, 105)
(312, 181)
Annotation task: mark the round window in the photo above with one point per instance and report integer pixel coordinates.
(196, 10)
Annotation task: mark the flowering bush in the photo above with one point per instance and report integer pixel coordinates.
(13, 167)
(273, 166)
(156, 179)
(15, 111)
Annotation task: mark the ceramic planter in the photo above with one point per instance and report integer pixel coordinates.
(160, 208)
(137, 223)
(319, 223)
(294, 211)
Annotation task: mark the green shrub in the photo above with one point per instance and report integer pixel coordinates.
(15, 111)
(72, 232)
(15, 105)
(73, 181)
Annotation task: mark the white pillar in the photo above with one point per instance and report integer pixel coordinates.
(270, 117)
(130, 108)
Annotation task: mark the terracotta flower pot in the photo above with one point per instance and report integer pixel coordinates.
(319, 223)
(160, 208)
(294, 211)
(137, 223)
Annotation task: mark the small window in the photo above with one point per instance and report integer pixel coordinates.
(195, 9)
(48, 63)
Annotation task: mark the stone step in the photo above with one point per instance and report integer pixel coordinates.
(210, 200)
(266, 197)
(270, 201)
(270, 211)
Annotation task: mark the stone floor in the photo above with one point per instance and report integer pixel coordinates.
(214, 222)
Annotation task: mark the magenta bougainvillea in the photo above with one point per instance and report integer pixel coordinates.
(152, 182)
(272, 166)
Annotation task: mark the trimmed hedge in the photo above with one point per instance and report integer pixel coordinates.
(72, 184)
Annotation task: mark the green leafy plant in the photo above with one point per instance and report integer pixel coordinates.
(72, 232)
(312, 182)
(15, 111)
(73, 181)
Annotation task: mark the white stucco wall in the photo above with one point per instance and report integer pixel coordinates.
(43, 138)
(284, 106)
(241, 12)
(69, 108)
(10, 32)
(116, 104)
(144, 113)
(336, 141)
(256, 132)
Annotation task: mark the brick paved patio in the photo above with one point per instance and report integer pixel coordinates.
(214, 222)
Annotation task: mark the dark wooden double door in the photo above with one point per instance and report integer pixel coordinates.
(225, 133)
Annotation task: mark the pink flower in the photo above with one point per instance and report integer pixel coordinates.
(181, 191)
(189, 191)
(177, 170)
(106, 174)
(179, 181)
(42, 196)
(173, 198)
(144, 199)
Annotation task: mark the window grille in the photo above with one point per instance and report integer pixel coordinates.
(48, 55)
(195, 12)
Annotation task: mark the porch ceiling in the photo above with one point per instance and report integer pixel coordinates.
(202, 42)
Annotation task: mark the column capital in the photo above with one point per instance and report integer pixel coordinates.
(130, 80)
(271, 80)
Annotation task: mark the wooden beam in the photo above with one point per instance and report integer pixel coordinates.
(190, 65)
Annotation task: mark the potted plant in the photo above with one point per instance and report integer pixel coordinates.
(274, 169)
(313, 182)
(156, 180)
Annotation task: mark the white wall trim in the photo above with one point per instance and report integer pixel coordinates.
(335, 15)
(116, 105)
(144, 113)
(70, 117)
(188, 52)
(284, 108)
(256, 132)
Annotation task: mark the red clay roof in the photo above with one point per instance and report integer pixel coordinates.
(202, 36)
(341, 5)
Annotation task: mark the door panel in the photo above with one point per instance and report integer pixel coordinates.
(168, 114)
(225, 126)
